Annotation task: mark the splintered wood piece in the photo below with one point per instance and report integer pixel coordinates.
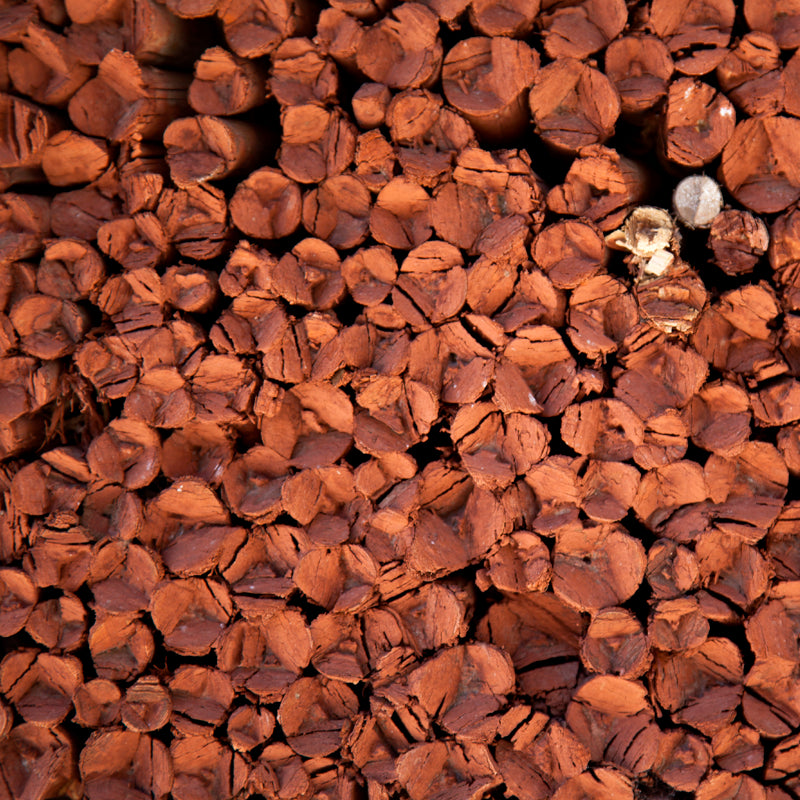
(338, 211)
(738, 749)
(486, 79)
(81, 212)
(601, 186)
(147, 705)
(779, 18)
(191, 288)
(464, 768)
(602, 782)
(569, 252)
(701, 688)
(608, 490)
(683, 760)
(400, 217)
(403, 49)
(370, 274)
(37, 761)
(725, 784)
(615, 644)
(190, 614)
(418, 117)
(206, 148)
(370, 102)
(613, 720)
(339, 35)
(226, 84)
(547, 366)
(375, 160)
(640, 67)
(84, 12)
(697, 32)
(738, 240)
(750, 75)
(300, 73)
(316, 143)
(266, 205)
(513, 18)
(69, 157)
(585, 574)
(157, 36)
(97, 703)
(578, 30)
(677, 625)
(698, 122)
(665, 488)
(315, 715)
(200, 698)
(26, 129)
(118, 760)
(195, 220)
(58, 624)
(760, 163)
(255, 29)
(122, 576)
(339, 579)
(24, 224)
(672, 569)
(191, 9)
(70, 269)
(121, 646)
(40, 685)
(19, 595)
(573, 105)
(248, 727)
(127, 452)
(58, 557)
(431, 281)
(136, 101)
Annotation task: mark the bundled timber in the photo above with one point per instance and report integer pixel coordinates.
(370, 427)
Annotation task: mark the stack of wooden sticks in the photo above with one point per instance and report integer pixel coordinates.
(340, 455)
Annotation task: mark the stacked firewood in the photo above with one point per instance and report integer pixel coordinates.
(369, 430)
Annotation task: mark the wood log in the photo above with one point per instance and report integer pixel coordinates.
(225, 84)
(205, 148)
(702, 30)
(777, 18)
(409, 32)
(301, 74)
(485, 79)
(316, 143)
(128, 100)
(640, 67)
(46, 68)
(762, 147)
(578, 30)
(573, 105)
(750, 75)
(256, 29)
(698, 123)
(493, 18)
(338, 211)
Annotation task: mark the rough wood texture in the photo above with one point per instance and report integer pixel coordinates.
(369, 429)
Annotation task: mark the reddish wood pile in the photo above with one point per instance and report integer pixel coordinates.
(342, 457)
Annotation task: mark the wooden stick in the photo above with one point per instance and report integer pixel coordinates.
(70, 157)
(698, 123)
(760, 163)
(302, 74)
(204, 148)
(266, 205)
(573, 105)
(140, 101)
(508, 18)
(226, 84)
(402, 50)
(486, 80)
